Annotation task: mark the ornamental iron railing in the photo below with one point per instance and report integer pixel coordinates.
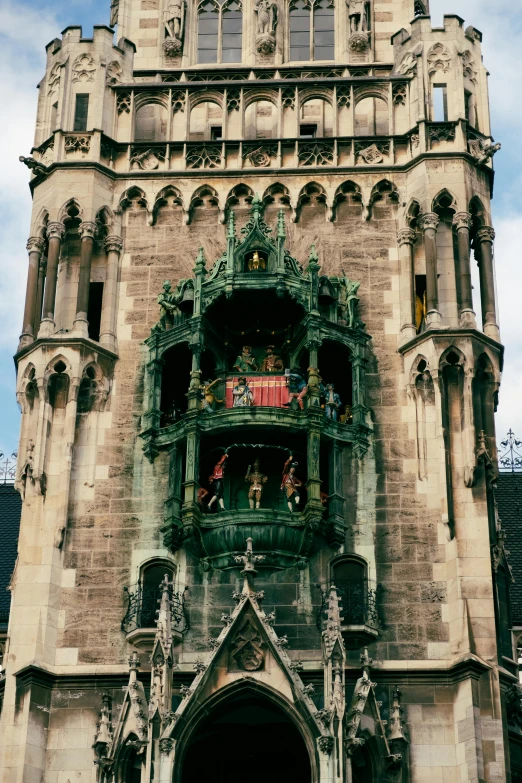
(357, 603)
(143, 605)
(8, 468)
(510, 457)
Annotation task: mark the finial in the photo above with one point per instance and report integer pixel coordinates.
(231, 225)
(249, 571)
(200, 260)
(366, 662)
(281, 227)
(313, 258)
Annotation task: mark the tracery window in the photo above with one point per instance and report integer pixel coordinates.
(312, 34)
(220, 33)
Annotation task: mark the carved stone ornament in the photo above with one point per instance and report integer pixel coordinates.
(174, 26)
(148, 160)
(442, 132)
(468, 66)
(439, 58)
(115, 7)
(359, 42)
(266, 11)
(53, 80)
(87, 230)
(406, 236)
(77, 143)
(166, 744)
(113, 244)
(247, 648)
(462, 220)
(371, 154)
(316, 154)
(408, 63)
(486, 234)
(261, 156)
(326, 745)
(288, 98)
(55, 230)
(400, 93)
(113, 73)
(178, 101)
(428, 221)
(83, 68)
(233, 99)
(123, 102)
(343, 97)
(483, 150)
(205, 156)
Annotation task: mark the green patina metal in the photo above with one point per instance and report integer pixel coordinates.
(256, 262)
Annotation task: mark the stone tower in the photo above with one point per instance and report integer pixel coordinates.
(257, 450)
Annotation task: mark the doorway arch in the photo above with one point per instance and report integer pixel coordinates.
(248, 733)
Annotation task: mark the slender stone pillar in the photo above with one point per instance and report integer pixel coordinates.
(428, 224)
(463, 222)
(87, 232)
(406, 239)
(113, 247)
(34, 247)
(55, 232)
(485, 237)
(42, 268)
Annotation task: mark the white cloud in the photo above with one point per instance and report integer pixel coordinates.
(22, 61)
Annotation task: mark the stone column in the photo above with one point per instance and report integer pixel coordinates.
(113, 247)
(406, 239)
(485, 237)
(463, 222)
(42, 268)
(34, 248)
(55, 232)
(87, 232)
(428, 224)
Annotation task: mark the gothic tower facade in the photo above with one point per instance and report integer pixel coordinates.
(257, 449)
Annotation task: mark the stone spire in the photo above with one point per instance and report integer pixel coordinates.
(249, 572)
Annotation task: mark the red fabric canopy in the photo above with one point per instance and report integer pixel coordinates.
(268, 390)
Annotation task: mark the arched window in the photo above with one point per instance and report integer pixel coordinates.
(371, 117)
(206, 122)
(150, 591)
(306, 17)
(150, 123)
(220, 32)
(349, 575)
(316, 120)
(261, 120)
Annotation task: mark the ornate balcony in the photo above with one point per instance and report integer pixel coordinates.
(358, 603)
(139, 622)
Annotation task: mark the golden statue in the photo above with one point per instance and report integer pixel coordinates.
(256, 263)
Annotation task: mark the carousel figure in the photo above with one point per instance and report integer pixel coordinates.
(208, 398)
(216, 480)
(242, 396)
(257, 481)
(290, 483)
(272, 362)
(245, 362)
(332, 404)
(297, 388)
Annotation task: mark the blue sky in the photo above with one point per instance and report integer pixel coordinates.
(26, 26)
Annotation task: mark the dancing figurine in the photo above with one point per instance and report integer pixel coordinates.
(209, 399)
(216, 480)
(290, 483)
(332, 403)
(297, 388)
(257, 480)
(242, 396)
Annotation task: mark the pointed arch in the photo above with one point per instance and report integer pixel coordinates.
(385, 194)
(104, 219)
(247, 690)
(452, 357)
(312, 197)
(347, 194)
(240, 197)
(71, 209)
(168, 198)
(412, 212)
(134, 198)
(41, 222)
(277, 194)
(205, 197)
(444, 202)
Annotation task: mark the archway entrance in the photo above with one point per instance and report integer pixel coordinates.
(247, 737)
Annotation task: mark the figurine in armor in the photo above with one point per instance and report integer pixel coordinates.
(257, 480)
(332, 403)
(242, 394)
(208, 398)
(348, 300)
(245, 362)
(256, 263)
(290, 483)
(357, 15)
(272, 362)
(168, 307)
(216, 480)
(297, 388)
